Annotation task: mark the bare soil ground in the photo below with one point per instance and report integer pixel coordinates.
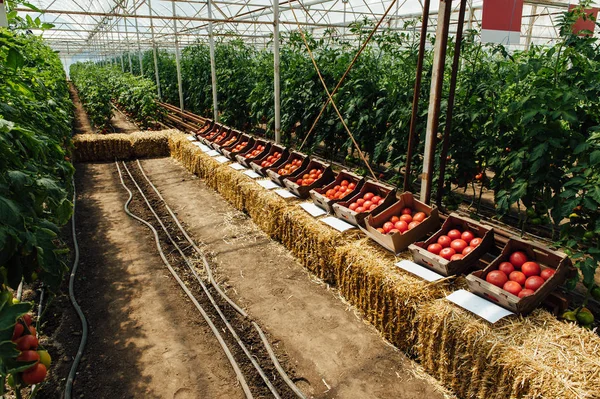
(81, 122)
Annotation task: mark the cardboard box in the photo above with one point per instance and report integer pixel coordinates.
(212, 134)
(210, 139)
(204, 130)
(217, 144)
(276, 177)
(229, 151)
(255, 163)
(545, 257)
(383, 190)
(303, 191)
(318, 194)
(449, 268)
(241, 157)
(397, 242)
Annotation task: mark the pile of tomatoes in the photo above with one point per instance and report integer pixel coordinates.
(454, 245)
(367, 203)
(271, 159)
(229, 142)
(407, 220)
(255, 152)
(220, 137)
(24, 335)
(290, 167)
(240, 146)
(519, 276)
(309, 178)
(340, 190)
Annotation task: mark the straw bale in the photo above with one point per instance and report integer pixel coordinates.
(148, 144)
(264, 207)
(536, 356)
(389, 297)
(101, 147)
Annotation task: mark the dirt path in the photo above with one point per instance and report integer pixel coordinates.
(81, 122)
(120, 124)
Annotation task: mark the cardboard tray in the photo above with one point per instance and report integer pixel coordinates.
(398, 242)
(219, 145)
(241, 157)
(318, 194)
(228, 151)
(211, 134)
(208, 140)
(303, 191)
(545, 257)
(255, 163)
(207, 129)
(277, 178)
(357, 219)
(449, 268)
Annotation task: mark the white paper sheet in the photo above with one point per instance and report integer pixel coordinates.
(418, 270)
(268, 184)
(282, 192)
(312, 209)
(337, 224)
(191, 138)
(481, 307)
(213, 153)
(204, 148)
(222, 159)
(252, 174)
(237, 166)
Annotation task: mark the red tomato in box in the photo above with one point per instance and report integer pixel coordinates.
(367, 204)
(444, 241)
(353, 206)
(406, 218)
(360, 201)
(360, 209)
(413, 224)
(454, 234)
(513, 287)
(458, 245)
(475, 242)
(526, 292)
(531, 269)
(497, 278)
(467, 236)
(467, 250)
(387, 226)
(419, 216)
(400, 225)
(534, 282)
(434, 248)
(506, 267)
(407, 211)
(547, 273)
(376, 199)
(447, 253)
(517, 259)
(373, 206)
(394, 219)
(517, 276)
(368, 196)
(352, 186)
(456, 257)
(344, 183)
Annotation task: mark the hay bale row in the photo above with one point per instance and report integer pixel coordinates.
(533, 357)
(107, 147)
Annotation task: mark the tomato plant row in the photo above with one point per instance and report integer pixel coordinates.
(100, 86)
(35, 178)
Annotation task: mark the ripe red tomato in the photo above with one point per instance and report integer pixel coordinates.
(368, 196)
(329, 192)
(531, 269)
(458, 245)
(28, 356)
(392, 231)
(456, 257)
(513, 287)
(360, 201)
(444, 241)
(367, 204)
(34, 375)
(517, 276)
(434, 248)
(526, 292)
(382, 231)
(394, 219)
(467, 236)
(454, 234)
(534, 282)
(497, 278)
(475, 242)
(376, 199)
(18, 331)
(299, 181)
(547, 273)
(413, 224)
(401, 225)
(344, 183)
(467, 250)
(517, 259)
(406, 218)
(27, 342)
(506, 267)
(353, 206)
(360, 209)
(419, 216)
(447, 253)
(387, 226)
(407, 211)
(352, 186)
(373, 206)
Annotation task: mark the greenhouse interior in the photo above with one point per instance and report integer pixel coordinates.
(300, 199)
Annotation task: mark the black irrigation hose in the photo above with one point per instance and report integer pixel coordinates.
(205, 289)
(84, 326)
(268, 347)
(214, 329)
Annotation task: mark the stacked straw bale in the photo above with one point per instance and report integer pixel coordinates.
(151, 144)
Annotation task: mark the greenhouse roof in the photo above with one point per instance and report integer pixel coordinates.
(82, 28)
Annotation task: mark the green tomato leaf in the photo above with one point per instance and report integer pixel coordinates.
(10, 314)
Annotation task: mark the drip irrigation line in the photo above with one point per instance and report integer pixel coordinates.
(312, 58)
(84, 325)
(205, 289)
(215, 285)
(339, 84)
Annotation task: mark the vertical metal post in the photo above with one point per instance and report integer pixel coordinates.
(177, 59)
(416, 95)
(276, 80)
(471, 14)
(3, 17)
(530, 27)
(213, 68)
(127, 39)
(156, 75)
(451, 94)
(435, 97)
(137, 32)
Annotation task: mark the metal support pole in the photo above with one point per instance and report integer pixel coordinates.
(127, 42)
(213, 67)
(471, 15)
(530, 27)
(451, 94)
(177, 60)
(276, 80)
(416, 95)
(155, 56)
(3, 17)
(435, 98)
(139, 48)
